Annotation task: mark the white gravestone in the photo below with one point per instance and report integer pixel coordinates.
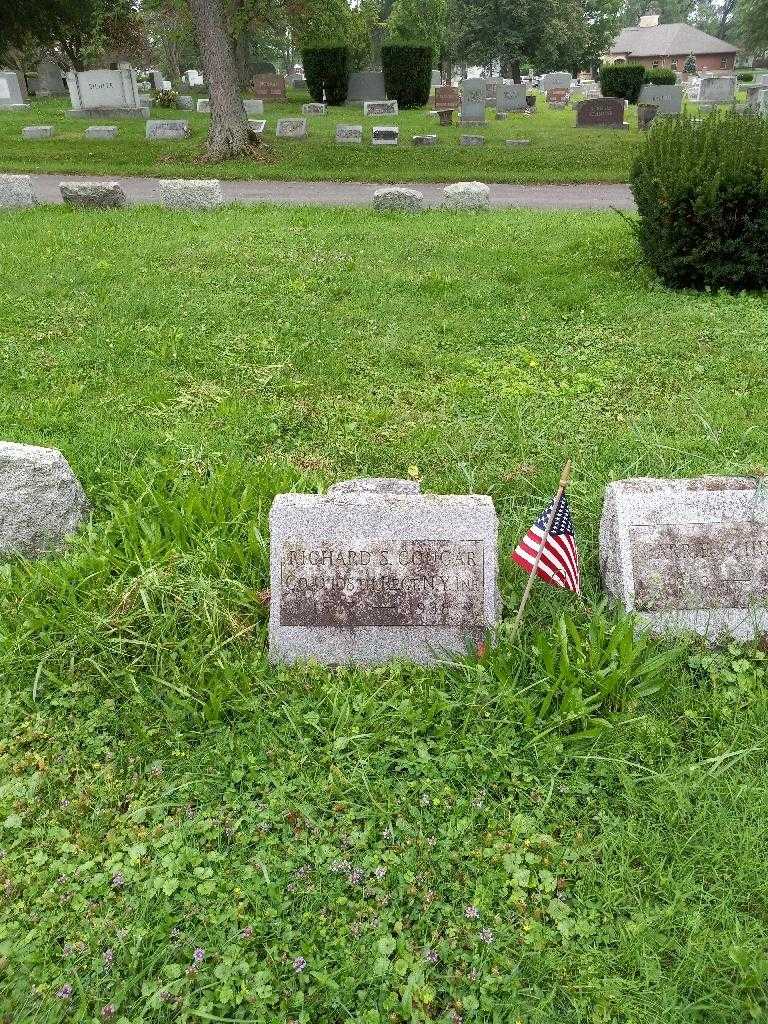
(375, 570)
(253, 107)
(688, 554)
(380, 108)
(555, 80)
(473, 96)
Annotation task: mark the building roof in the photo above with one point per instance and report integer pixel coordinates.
(671, 40)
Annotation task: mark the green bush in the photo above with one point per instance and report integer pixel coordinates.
(745, 76)
(660, 76)
(407, 73)
(327, 71)
(702, 195)
(622, 80)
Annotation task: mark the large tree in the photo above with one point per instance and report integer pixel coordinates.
(229, 134)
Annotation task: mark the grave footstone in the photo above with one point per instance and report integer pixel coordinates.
(253, 106)
(167, 129)
(518, 142)
(37, 131)
(395, 198)
(380, 108)
(473, 96)
(314, 109)
(16, 191)
(41, 501)
(424, 140)
(93, 195)
(688, 554)
(185, 102)
(606, 112)
(375, 570)
(291, 128)
(667, 98)
(191, 194)
(101, 131)
(347, 134)
(471, 140)
(385, 135)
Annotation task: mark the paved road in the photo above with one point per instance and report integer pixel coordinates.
(355, 193)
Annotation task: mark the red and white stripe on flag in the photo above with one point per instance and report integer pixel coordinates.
(559, 561)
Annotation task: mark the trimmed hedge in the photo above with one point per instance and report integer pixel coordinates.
(702, 196)
(326, 69)
(660, 76)
(622, 80)
(407, 73)
(745, 76)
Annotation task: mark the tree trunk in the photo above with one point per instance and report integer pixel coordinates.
(243, 61)
(228, 135)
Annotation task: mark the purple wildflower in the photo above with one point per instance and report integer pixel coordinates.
(198, 956)
(108, 1011)
(118, 880)
(380, 871)
(108, 957)
(431, 956)
(486, 935)
(299, 964)
(471, 912)
(65, 992)
(355, 876)
(247, 932)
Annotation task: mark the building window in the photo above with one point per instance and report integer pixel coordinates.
(673, 65)
(723, 62)
(655, 64)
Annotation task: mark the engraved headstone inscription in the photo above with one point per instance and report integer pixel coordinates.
(689, 554)
(473, 95)
(375, 570)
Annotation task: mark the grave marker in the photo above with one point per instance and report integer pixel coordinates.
(104, 91)
(380, 108)
(375, 570)
(291, 128)
(668, 98)
(473, 95)
(268, 87)
(688, 554)
(606, 112)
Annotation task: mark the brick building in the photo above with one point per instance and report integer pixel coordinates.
(667, 46)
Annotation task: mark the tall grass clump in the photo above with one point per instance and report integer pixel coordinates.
(701, 189)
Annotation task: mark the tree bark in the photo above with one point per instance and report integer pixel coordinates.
(228, 135)
(243, 61)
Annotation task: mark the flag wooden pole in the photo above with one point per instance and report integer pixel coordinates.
(565, 477)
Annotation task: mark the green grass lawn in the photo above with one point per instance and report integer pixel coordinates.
(322, 837)
(558, 152)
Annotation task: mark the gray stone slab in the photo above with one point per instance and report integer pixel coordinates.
(555, 80)
(402, 200)
(511, 97)
(167, 130)
(185, 102)
(717, 90)
(366, 85)
(473, 99)
(518, 142)
(101, 195)
(365, 574)
(103, 89)
(41, 501)
(253, 107)
(380, 108)
(688, 554)
(37, 131)
(424, 140)
(16, 191)
(471, 140)
(10, 90)
(203, 106)
(191, 194)
(101, 131)
(291, 128)
(314, 109)
(349, 134)
(138, 113)
(385, 135)
(667, 98)
(467, 195)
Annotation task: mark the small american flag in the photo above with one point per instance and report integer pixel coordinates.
(559, 562)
